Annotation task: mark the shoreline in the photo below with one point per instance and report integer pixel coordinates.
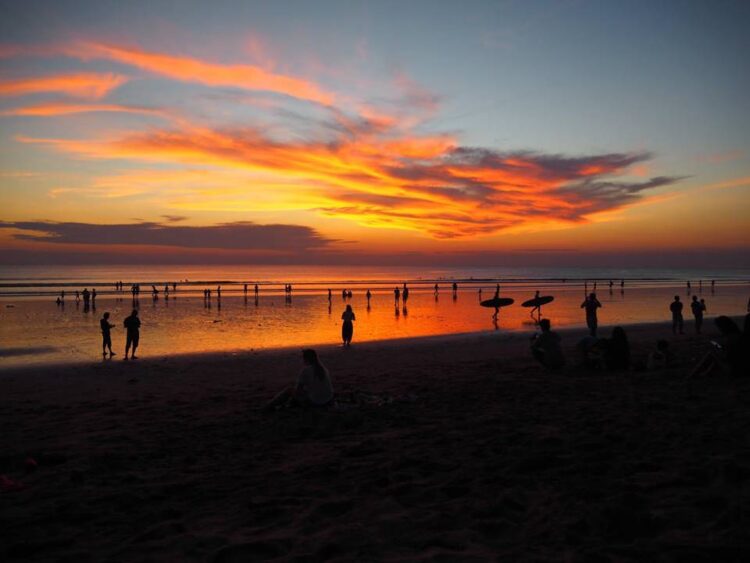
(498, 336)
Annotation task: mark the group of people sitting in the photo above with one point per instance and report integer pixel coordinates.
(730, 356)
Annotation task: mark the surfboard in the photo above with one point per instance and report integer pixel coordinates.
(497, 302)
(538, 301)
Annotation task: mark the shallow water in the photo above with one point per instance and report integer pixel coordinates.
(35, 330)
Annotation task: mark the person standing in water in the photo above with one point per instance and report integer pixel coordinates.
(591, 304)
(396, 295)
(133, 326)
(369, 296)
(405, 293)
(676, 308)
(697, 307)
(347, 327)
(106, 336)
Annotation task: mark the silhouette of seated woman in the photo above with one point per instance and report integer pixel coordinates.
(313, 387)
(546, 347)
(616, 350)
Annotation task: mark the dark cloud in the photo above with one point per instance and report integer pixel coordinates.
(174, 218)
(230, 236)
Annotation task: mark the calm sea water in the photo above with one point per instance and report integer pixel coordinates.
(33, 329)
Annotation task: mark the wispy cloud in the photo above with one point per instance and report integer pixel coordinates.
(58, 108)
(189, 69)
(86, 85)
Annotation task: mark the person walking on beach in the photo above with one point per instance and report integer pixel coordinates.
(106, 336)
(546, 348)
(697, 307)
(436, 289)
(396, 295)
(347, 327)
(132, 325)
(455, 290)
(676, 308)
(591, 304)
(405, 293)
(369, 296)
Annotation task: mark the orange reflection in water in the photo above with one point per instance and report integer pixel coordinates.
(188, 325)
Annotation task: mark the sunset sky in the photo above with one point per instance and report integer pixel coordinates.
(381, 132)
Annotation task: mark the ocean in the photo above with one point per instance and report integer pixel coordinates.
(34, 329)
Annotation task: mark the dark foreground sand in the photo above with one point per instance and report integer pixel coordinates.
(483, 456)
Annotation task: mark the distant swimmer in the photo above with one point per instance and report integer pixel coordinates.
(676, 308)
(132, 325)
(697, 308)
(546, 347)
(591, 304)
(347, 327)
(106, 336)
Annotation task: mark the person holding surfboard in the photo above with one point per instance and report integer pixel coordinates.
(536, 305)
(591, 304)
(496, 302)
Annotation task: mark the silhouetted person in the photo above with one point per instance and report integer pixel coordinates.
(347, 327)
(218, 292)
(730, 355)
(93, 296)
(455, 288)
(546, 347)
(537, 307)
(676, 308)
(244, 289)
(480, 293)
(369, 296)
(132, 326)
(700, 286)
(78, 298)
(697, 308)
(436, 289)
(622, 286)
(405, 293)
(611, 284)
(329, 295)
(713, 285)
(256, 290)
(349, 294)
(106, 336)
(616, 350)
(396, 294)
(174, 286)
(86, 297)
(497, 308)
(313, 388)
(688, 287)
(591, 304)
(62, 295)
(343, 294)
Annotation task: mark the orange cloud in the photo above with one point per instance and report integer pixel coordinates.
(54, 109)
(188, 69)
(424, 184)
(80, 85)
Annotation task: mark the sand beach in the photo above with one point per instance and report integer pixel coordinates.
(457, 448)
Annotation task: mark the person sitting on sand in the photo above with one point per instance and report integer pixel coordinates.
(589, 354)
(313, 388)
(660, 358)
(106, 336)
(728, 356)
(133, 326)
(347, 327)
(616, 350)
(546, 347)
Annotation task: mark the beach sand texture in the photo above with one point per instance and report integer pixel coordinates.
(480, 455)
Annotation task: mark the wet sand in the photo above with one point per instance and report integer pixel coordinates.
(463, 449)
